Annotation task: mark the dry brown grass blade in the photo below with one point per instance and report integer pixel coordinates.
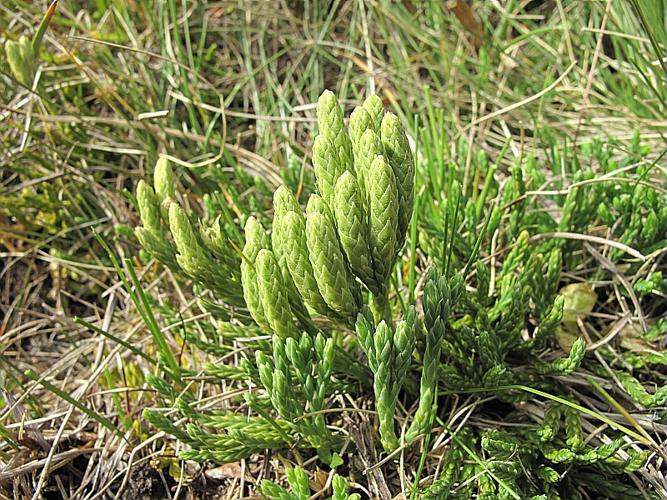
(466, 15)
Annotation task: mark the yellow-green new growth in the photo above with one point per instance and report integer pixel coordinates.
(332, 150)
(326, 165)
(163, 180)
(369, 148)
(152, 235)
(360, 121)
(195, 259)
(283, 202)
(332, 275)
(353, 229)
(368, 116)
(364, 118)
(399, 156)
(157, 246)
(330, 124)
(149, 208)
(190, 254)
(255, 240)
(383, 212)
(274, 295)
(292, 230)
(216, 241)
(373, 104)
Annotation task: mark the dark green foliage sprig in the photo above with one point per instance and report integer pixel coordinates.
(299, 487)
(254, 435)
(389, 351)
(567, 365)
(453, 469)
(439, 296)
(297, 382)
(639, 393)
(502, 334)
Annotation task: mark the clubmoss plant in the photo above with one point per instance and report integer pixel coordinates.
(308, 296)
(332, 260)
